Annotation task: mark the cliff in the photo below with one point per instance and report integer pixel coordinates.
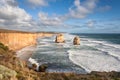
(17, 39)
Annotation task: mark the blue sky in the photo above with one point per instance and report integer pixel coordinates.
(81, 16)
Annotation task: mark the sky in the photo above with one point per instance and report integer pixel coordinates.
(73, 16)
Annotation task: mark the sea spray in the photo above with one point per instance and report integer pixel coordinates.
(31, 62)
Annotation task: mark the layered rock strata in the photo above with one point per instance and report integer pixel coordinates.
(59, 38)
(76, 41)
(16, 40)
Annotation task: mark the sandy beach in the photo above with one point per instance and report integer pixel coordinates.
(26, 53)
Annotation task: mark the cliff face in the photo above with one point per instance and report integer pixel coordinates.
(17, 40)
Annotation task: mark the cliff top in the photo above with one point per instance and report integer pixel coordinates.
(9, 31)
(17, 31)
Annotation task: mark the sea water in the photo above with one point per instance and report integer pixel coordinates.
(96, 52)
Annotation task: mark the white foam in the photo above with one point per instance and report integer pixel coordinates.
(112, 49)
(33, 61)
(102, 42)
(94, 60)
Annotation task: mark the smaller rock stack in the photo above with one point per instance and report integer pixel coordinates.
(76, 41)
(59, 38)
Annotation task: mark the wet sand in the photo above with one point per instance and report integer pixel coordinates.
(26, 53)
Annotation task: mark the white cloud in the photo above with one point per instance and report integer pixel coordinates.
(14, 17)
(82, 9)
(49, 21)
(11, 16)
(38, 2)
(8, 2)
(79, 10)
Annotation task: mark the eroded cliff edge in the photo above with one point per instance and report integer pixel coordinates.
(16, 40)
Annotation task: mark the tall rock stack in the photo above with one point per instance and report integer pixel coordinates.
(59, 38)
(76, 41)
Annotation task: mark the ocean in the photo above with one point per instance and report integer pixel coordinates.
(96, 52)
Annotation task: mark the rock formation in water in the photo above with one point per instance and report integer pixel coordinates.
(76, 41)
(17, 39)
(59, 38)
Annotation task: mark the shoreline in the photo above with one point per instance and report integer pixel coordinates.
(26, 52)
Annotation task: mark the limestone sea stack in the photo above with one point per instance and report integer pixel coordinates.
(59, 38)
(76, 41)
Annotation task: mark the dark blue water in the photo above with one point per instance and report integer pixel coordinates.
(113, 38)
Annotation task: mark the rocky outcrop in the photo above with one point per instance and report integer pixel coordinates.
(59, 38)
(76, 41)
(16, 40)
(39, 68)
(42, 68)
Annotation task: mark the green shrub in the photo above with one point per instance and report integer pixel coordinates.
(4, 47)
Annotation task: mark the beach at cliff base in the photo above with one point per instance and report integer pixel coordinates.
(26, 53)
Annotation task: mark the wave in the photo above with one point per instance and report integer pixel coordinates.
(111, 49)
(95, 55)
(94, 60)
(104, 43)
(33, 61)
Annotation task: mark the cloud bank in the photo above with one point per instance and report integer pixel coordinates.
(81, 10)
(49, 21)
(14, 17)
(78, 10)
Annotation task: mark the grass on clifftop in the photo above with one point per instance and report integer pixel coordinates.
(12, 68)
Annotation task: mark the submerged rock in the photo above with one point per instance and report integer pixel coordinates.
(39, 68)
(76, 41)
(34, 67)
(43, 67)
(59, 38)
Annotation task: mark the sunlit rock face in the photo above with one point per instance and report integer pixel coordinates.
(76, 41)
(16, 40)
(59, 38)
